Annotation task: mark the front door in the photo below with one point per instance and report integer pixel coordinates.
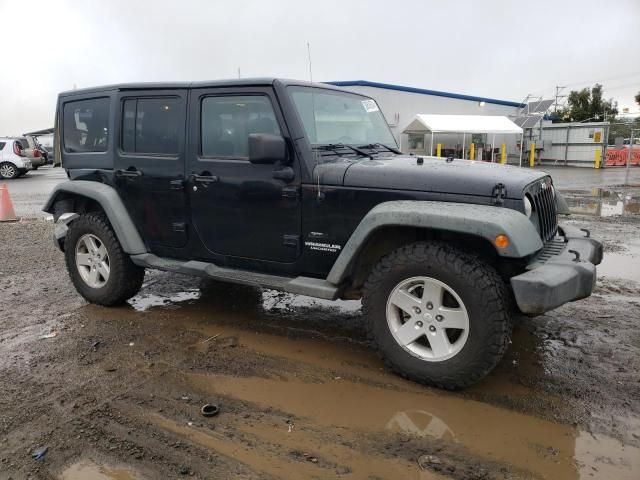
(239, 209)
(149, 165)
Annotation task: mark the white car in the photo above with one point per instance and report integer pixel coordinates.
(13, 160)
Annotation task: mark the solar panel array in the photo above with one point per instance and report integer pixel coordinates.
(527, 121)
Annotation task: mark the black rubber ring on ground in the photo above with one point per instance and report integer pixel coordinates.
(210, 410)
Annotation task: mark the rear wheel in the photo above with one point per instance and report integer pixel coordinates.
(99, 269)
(8, 170)
(437, 315)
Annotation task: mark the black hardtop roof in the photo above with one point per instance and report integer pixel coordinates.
(238, 82)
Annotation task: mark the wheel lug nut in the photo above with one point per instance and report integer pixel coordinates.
(432, 328)
(419, 324)
(439, 318)
(417, 310)
(429, 306)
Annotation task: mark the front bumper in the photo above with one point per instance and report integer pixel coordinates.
(563, 271)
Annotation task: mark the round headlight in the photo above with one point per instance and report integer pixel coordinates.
(528, 208)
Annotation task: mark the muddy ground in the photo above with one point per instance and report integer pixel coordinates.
(115, 393)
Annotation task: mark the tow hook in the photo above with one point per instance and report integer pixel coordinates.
(577, 254)
(586, 231)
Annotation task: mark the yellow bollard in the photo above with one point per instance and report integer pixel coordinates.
(532, 155)
(598, 157)
(438, 150)
(472, 152)
(503, 154)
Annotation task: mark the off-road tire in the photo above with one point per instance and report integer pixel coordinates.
(483, 292)
(125, 278)
(15, 174)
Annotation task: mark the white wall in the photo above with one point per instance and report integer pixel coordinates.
(399, 108)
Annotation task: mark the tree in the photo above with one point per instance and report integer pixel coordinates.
(638, 98)
(586, 104)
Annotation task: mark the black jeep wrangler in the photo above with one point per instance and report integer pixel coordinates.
(300, 187)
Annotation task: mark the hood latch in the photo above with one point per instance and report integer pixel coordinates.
(499, 193)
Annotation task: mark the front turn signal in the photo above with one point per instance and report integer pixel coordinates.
(502, 241)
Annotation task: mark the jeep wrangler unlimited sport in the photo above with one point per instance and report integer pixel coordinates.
(300, 187)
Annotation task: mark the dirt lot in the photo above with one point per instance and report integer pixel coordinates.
(116, 393)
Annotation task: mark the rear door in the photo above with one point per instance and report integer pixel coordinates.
(149, 164)
(239, 209)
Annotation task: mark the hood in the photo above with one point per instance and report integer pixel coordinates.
(435, 174)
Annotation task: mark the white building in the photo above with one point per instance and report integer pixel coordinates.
(401, 104)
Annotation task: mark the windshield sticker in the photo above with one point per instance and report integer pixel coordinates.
(369, 106)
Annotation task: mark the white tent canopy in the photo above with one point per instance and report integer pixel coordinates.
(423, 123)
(496, 125)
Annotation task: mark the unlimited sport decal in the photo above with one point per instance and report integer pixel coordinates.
(323, 247)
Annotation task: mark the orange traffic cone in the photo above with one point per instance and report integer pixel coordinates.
(6, 207)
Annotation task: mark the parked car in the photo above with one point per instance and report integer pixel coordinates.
(50, 157)
(34, 151)
(300, 187)
(13, 160)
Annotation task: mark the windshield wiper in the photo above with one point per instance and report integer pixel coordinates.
(337, 146)
(373, 146)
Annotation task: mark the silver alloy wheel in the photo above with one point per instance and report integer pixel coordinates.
(92, 261)
(422, 324)
(7, 171)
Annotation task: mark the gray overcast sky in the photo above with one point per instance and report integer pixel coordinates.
(495, 48)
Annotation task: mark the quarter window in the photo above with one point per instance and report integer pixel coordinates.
(86, 125)
(151, 125)
(226, 123)
(2, 144)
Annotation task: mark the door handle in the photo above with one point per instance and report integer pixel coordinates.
(128, 173)
(204, 178)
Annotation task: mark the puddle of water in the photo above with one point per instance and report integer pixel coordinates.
(273, 300)
(384, 402)
(622, 264)
(145, 301)
(603, 203)
(488, 431)
(87, 470)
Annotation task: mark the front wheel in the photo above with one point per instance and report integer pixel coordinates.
(437, 315)
(99, 269)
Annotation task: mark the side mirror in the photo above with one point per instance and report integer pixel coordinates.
(266, 148)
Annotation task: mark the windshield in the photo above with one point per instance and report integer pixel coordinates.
(332, 117)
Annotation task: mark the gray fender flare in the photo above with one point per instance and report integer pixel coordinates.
(480, 220)
(111, 203)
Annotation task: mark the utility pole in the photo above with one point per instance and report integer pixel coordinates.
(558, 96)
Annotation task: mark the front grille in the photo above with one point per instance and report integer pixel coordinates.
(544, 208)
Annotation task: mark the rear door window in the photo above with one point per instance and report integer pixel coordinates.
(86, 125)
(227, 121)
(151, 125)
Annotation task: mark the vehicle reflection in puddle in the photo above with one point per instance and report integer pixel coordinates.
(602, 203)
(420, 423)
(87, 470)
(144, 301)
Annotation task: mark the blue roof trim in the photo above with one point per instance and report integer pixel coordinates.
(400, 88)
